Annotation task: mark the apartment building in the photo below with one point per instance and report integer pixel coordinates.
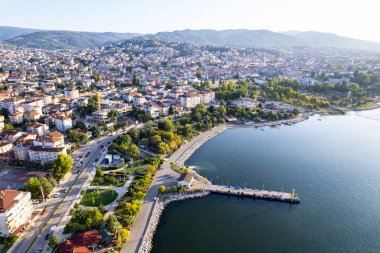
(45, 154)
(15, 211)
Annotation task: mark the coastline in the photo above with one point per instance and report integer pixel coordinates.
(197, 142)
(158, 209)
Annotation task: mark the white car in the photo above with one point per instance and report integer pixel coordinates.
(56, 195)
(53, 228)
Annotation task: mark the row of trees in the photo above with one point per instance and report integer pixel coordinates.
(129, 205)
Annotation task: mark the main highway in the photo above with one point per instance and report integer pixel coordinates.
(33, 238)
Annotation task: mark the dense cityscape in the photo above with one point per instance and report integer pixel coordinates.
(94, 141)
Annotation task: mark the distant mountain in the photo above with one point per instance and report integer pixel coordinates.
(241, 37)
(318, 39)
(52, 40)
(264, 38)
(7, 32)
(34, 38)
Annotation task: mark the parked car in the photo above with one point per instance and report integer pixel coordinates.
(47, 236)
(56, 195)
(53, 228)
(35, 201)
(44, 211)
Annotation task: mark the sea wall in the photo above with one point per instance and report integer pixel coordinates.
(147, 242)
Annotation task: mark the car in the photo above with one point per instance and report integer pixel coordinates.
(80, 156)
(77, 159)
(90, 149)
(47, 236)
(53, 228)
(44, 211)
(56, 195)
(94, 163)
(78, 164)
(65, 190)
(35, 201)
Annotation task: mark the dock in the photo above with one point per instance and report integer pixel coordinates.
(253, 193)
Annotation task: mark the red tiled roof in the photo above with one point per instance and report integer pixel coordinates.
(7, 199)
(87, 238)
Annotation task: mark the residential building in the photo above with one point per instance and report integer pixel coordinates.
(38, 128)
(45, 154)
(15, 211)
(71, 93)
(63, 123)
(5, 147)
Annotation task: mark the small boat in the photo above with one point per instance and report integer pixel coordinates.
(262, 129)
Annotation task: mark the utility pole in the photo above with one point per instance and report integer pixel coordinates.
(42, 193)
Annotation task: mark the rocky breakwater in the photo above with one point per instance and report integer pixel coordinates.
(147, 242)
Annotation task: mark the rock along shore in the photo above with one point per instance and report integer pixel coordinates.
(147, 242)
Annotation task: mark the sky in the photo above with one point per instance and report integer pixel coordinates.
(352, 18)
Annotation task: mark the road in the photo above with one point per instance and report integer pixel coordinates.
(58, 207)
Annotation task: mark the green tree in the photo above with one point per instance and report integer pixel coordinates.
(63, 164)
(133, 151)
(53, 242)
(113, 114)
(80, 125)
(7, 127)
(77, 136)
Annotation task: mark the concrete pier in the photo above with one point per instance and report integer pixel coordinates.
(252, 193)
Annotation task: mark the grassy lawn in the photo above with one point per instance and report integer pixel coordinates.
(109, 179)
(175, 167)
(96, 197)
(138, 168)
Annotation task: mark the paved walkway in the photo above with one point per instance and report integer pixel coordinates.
(167, 177)
(120, 193)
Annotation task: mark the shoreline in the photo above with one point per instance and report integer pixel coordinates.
(198, 141)
(158, 209)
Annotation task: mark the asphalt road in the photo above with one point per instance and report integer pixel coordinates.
(40, 244)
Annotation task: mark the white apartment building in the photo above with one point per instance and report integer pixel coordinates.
(38, 128)
(21, 152)
(71, 93)
(190, 100)
(5, 146)
(11, 103)
(63, 123)
(15, 211)
(45, 154)
(207, 97)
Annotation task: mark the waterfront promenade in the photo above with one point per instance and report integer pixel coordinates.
(167, 177)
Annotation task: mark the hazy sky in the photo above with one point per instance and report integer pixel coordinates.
(359, 19)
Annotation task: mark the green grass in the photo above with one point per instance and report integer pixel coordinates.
(137, 168)
(175, 167)
(110, 179)
(94, 198)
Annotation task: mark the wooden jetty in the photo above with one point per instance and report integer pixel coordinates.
(253, 193)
